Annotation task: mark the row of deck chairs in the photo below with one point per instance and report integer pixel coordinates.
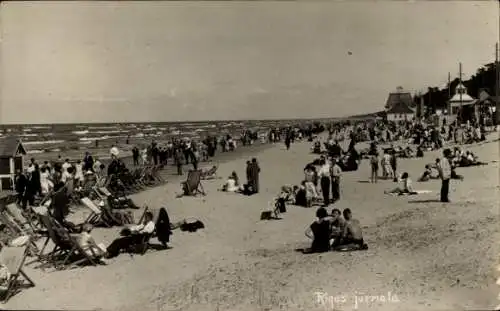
(135, 180)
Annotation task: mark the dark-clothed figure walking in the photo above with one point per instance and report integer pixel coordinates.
(249, 172)
(88, 162)
(20, 185)
(135, 156)
(254, 175)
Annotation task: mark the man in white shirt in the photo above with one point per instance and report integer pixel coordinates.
(324, 177)
(444, 169)
(66, 165)
(137, 235)
(335, 172)
(31, 167)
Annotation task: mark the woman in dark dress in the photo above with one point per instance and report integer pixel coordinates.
(321, 230)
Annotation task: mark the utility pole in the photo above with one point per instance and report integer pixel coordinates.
(461, 91)
(448, 106)
(497, 83)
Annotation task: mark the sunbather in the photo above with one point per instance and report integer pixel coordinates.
(337, 224)
(427, 174)
(88, 244)
(405, 188)
(352, 235)
(133, 236)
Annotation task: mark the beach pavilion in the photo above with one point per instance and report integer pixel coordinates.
(462, 104)
(399, 106)
(11, 159)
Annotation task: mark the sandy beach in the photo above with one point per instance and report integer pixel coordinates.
(423, 255)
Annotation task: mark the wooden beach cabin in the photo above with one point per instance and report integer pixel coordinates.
(11, 159)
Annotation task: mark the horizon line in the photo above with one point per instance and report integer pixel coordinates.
(192, 121)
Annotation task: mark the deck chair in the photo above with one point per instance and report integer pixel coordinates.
(210, 173)
(13, 258)
(29, 224)
(192, 186)
(96, 215)
(66, 247)
(114, 201)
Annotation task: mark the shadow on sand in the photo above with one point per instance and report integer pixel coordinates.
(425, 201)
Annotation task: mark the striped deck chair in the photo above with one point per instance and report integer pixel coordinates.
(13, 259)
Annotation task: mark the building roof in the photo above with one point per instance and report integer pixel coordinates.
(466, 98)
(11, 146)
(398, 97)
(400, 108)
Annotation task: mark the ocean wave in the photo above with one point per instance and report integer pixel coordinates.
(108, 132)
(43, 142)
(102, 127)
(35, 151)
(39, 127)
(84, 132)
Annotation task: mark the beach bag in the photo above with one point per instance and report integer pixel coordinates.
(192, 226)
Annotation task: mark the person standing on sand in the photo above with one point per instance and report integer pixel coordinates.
(254, 175)
(394, 165)
(335, 173)
(249, 172)
(444, 169)
(324, 177)
(20, 182)
(135, 155)
(178, 159)
(88, 162)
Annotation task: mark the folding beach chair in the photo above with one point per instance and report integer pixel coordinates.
(28, 225)
(210, 173)
(66, 247)
(13, 259)
(96, 215)
(192, 186)
(114, 201)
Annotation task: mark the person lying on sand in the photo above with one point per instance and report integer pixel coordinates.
(405, 188)
(319, 232)
(427, 174)
(135, 235)
(352, 235)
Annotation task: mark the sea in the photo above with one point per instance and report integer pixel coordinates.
(38, 139)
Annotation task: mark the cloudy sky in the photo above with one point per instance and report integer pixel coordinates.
(159, 61)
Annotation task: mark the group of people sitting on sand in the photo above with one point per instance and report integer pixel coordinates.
(334, 232)
(463, 158)
(232, 184)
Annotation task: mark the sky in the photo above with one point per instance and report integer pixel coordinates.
(68, 62)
